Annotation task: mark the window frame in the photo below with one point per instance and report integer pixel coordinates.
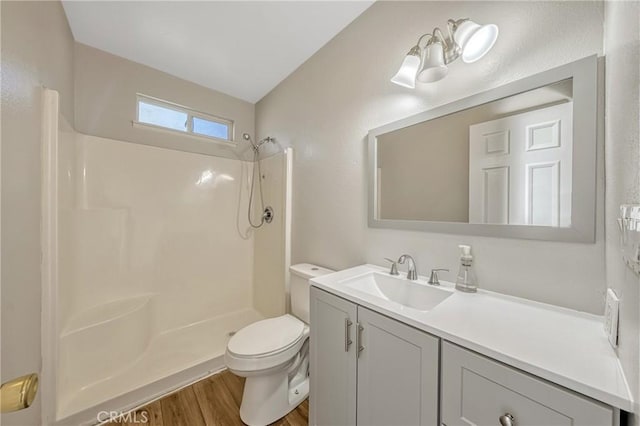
(191, 113)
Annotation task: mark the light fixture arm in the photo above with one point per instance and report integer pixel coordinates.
(417, 49)
(453, 24)
(451, 49)
(422, 37)
(439, 36)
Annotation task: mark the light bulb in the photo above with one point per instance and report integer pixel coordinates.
(475, 40)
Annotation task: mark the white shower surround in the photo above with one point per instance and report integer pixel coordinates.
(149, 266)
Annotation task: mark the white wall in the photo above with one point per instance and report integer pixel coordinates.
(37, 50)
(106, 86)
(325, 109)
(622, 47)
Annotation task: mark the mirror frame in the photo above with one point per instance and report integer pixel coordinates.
(584, 73)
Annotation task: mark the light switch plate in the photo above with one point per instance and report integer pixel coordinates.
(611, 313)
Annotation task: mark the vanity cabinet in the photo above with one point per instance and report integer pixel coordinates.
(397, 373)
(367, 369)
(479, 391)
(333, 364)
(390, 351)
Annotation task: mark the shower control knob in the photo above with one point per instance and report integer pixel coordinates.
(268, 214)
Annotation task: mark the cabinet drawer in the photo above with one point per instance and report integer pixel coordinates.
(478, 391)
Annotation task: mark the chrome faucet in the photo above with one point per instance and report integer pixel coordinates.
(411, 267)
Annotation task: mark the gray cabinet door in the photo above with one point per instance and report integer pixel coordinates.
(479, 391)
(332, 397)
(397, 373)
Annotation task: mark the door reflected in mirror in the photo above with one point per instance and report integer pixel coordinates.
(508, 161)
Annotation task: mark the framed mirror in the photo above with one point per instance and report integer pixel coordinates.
(517, 161)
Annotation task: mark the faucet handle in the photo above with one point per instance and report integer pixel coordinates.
(394, 266)
(433, 279)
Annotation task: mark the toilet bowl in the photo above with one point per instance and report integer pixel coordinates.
(273, 356)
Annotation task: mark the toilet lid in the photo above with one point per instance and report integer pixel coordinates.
(266, 336)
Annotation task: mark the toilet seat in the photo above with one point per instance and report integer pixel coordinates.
(266, 344)
(266, 337)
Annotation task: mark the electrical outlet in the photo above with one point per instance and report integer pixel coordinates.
(611, 314)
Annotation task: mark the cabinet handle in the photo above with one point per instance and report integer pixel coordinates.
(507, 420)
(359, 339)
(347, 334)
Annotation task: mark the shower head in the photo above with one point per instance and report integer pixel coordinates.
(263, 141)
(256, 146)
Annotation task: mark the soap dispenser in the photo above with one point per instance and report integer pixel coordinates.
(466, 280)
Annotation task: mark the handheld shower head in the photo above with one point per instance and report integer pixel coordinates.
(268, 139)
(256, 146)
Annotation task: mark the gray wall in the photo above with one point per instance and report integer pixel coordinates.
(622, 45)
(106, 86)
(326, 107)
(37, 50)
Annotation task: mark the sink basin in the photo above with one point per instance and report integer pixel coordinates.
(415, 295)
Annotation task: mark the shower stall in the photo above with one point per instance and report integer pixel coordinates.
(150, 263)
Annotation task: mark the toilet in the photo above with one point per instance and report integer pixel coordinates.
(273, 355)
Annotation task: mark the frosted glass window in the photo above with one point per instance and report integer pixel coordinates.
(210, 128)
(159, 113)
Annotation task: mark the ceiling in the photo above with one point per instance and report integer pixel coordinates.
(241, 48)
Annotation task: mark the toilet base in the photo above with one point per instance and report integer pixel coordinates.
(268, 398)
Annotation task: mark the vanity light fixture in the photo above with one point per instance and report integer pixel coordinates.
(466, 39)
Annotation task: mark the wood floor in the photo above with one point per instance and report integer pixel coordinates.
(214, 401)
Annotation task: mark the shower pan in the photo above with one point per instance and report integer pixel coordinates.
(146, 272)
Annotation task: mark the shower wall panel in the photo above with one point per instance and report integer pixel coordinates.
(271, 262)
(161, 223)
(67, 176)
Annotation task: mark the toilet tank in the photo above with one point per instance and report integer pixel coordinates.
(299, 287)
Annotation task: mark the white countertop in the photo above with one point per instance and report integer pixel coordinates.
(563, 346)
